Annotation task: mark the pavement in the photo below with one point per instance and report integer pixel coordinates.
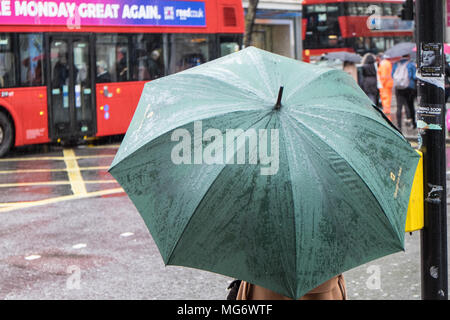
(69, 231)
(410, 133)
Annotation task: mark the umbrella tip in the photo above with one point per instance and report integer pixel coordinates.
(280, 94)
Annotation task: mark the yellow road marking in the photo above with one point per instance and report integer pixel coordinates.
(56, 158)
(21, 205)
(50, 183)
(111, 146)
(73, 171)
(75, 180)
(51, 170)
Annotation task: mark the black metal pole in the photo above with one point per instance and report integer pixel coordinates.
(431, 124)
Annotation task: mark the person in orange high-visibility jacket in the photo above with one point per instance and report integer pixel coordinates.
(386, 82)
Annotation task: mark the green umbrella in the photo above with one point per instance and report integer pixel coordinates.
(266, 169)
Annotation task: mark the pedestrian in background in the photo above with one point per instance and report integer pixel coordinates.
(377, 64)
(369, 77)
(404, 76)
(386, 83)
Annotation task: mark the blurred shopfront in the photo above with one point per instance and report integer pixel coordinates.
(278, 27)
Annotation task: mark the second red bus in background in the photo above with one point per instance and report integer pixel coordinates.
(355, 26)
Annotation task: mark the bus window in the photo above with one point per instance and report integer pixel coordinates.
(399, 40)
(31, 59)
(187, 51)
(228, 44)
(147, 58)
(361, 9)
(122, 65)
(350, 9)
(323, 29)
(356, 9)
(83, 89)
(318, 8)
(368, 44)
(7, 74)
(112, 58)
(396, 8)
(59, 64)
(389, 42)
(387, 9)
(359, 45)
(378, 42)
(332, 8)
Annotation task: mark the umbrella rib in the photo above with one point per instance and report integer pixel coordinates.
(209, 187)
(288, 283)
(313, 165)
(356, 172)
(294, 204)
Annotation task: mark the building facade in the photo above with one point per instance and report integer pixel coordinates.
(278, 26)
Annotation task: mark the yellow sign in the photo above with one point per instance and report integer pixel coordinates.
(414, 218)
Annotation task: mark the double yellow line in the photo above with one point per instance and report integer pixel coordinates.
(76, 181)
(74, 173)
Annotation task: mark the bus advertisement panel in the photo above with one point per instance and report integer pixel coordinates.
(104, 13)
(75, 69)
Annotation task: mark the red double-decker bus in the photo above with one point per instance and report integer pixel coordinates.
(76, 69)
(355, 26)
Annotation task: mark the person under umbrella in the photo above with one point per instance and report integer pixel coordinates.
(350, 68)
(333, 289)
(404, 75)
(384, 75)
(369, 77)
(326, 192)
(349, 61)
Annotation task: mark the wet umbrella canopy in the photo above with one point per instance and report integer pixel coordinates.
(319, 185)
(344, 56)
(400, 49)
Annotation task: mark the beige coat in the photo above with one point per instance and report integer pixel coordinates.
(333, 289)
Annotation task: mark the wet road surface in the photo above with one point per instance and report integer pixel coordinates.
(69, 231)
(62, 174)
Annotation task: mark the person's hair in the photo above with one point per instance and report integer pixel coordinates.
(348, 63)
(368, 58)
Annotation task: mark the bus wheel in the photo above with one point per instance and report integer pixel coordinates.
(6, 134)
